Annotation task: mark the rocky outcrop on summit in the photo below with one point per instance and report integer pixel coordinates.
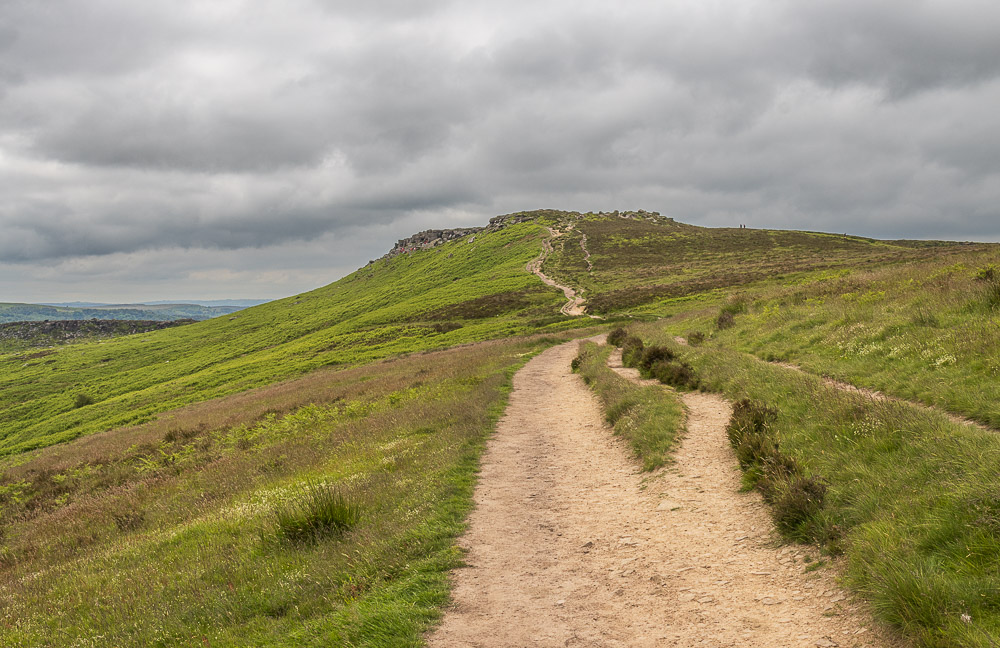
(430, 238)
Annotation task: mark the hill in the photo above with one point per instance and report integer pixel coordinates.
(154, 312)
(151, 483)
(464, 291)
(240, 303)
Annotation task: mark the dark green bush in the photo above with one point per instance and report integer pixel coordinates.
(795, 499)
(796, 504)
(652, 355)
(632, 348)
(445, 327)
(750, 416)
(617, 337)
(676, 374)
(695, 338)
(82, 400)
(988, 272)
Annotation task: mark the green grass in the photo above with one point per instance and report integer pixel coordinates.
(479, 290)
(911, 496)
(323, 514)
(641, 265)
(649, 418)
(318, 511)
(296, 474)
(920, 331)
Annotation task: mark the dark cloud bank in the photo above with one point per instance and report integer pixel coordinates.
(267, 147)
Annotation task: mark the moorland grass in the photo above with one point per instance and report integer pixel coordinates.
(920, 331)
(164, 532)
(911, 496)
(649, 418)
(172, 533)
(638, 263)
(456, 293)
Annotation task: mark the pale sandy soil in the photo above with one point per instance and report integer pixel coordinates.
(571, 545)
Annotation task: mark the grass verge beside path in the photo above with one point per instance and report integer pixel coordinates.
(913, 498)
(182, 537)
(650, 418)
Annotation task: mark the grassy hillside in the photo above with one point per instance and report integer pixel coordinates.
(927, 331)
(457, 293)
(644, 260)
(189, 530)
(183, 487)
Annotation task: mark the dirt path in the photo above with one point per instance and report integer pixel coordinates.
(574, 303)
(877, 395)
(570, 545)
(870, 393)
(586, 252)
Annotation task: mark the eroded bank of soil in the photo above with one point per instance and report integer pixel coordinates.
(571, 545)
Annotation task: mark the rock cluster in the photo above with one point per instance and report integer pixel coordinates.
(430, 238)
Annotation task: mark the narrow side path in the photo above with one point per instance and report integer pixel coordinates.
(877, 395)
(570, 545)
(871, 393)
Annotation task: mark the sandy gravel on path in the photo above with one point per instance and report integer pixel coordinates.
(571, 545)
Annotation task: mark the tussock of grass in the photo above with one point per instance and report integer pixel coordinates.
(650, 418)
(318, 511)
(725, 320)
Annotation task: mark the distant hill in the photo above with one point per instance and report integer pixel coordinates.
(242, 303)
(150, 312)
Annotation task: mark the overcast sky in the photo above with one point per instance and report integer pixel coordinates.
(182, 149)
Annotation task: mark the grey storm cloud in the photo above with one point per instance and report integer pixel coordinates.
(134, 127)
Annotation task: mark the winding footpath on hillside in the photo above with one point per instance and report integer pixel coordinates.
(574, 302)
(571, 544)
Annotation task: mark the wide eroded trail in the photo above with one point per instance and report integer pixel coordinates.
(572, 545)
